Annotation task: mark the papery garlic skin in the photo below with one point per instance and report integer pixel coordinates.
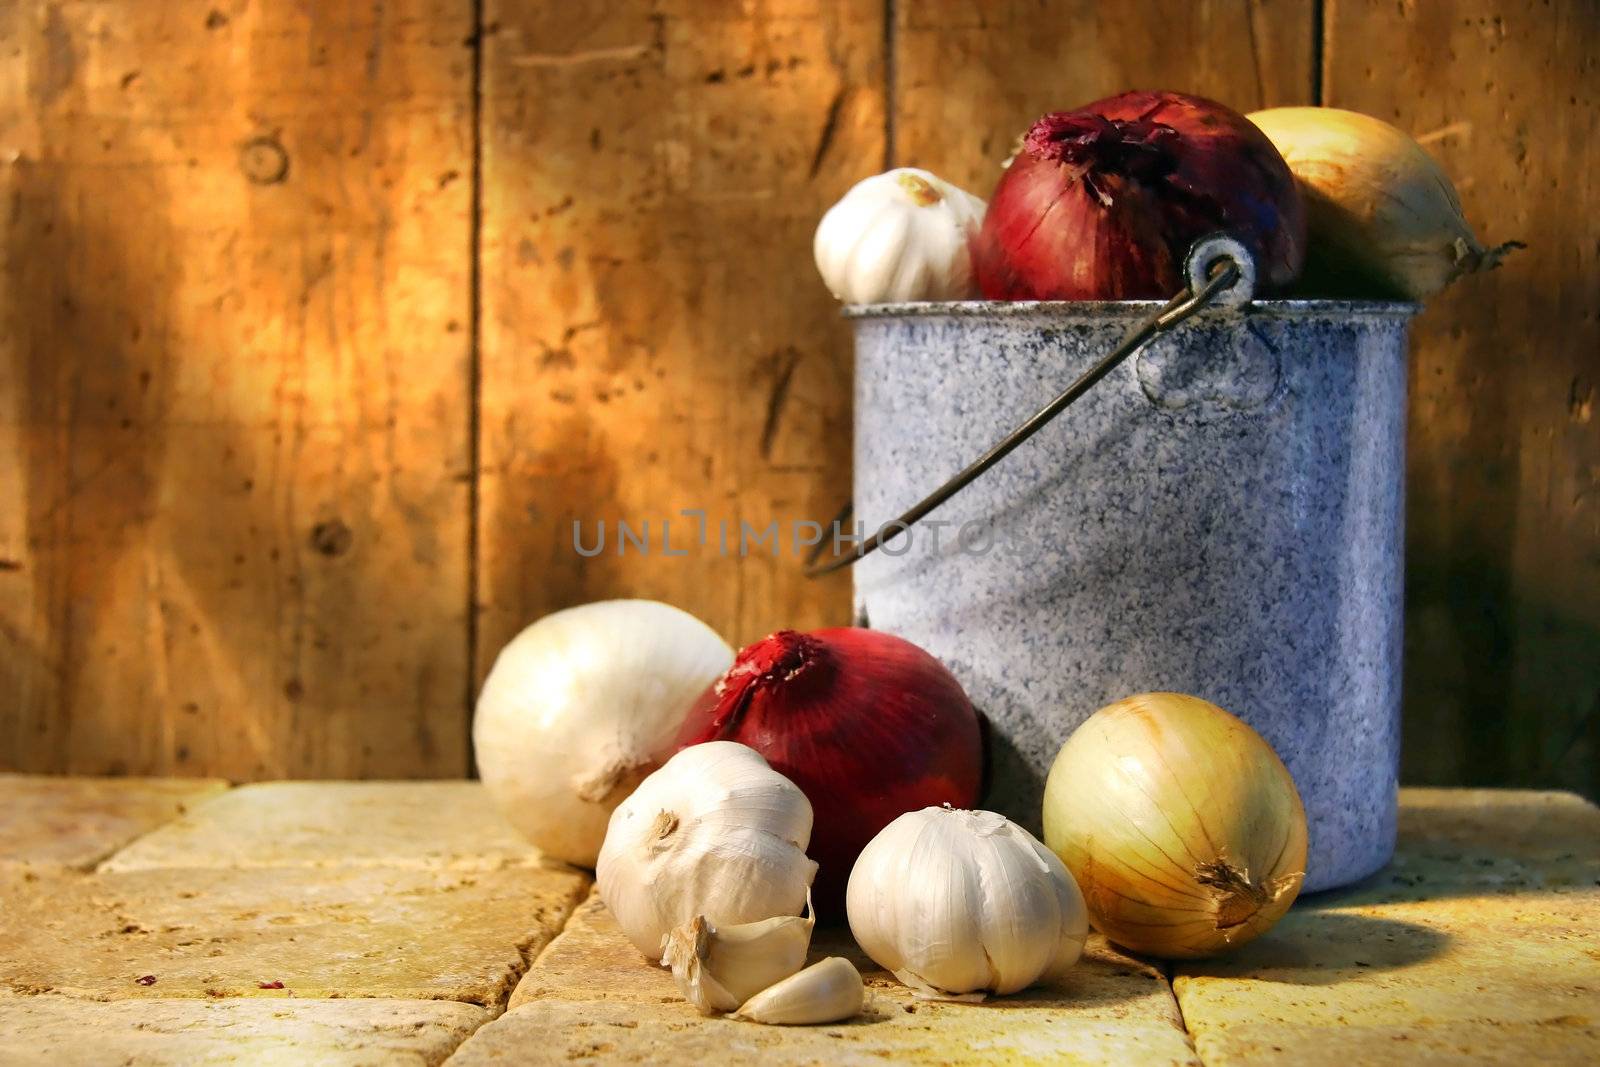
(955, 901)
(901, 235)
(579, 707)
(715, 833)
(1377, 204)
(826, 992)
(1181, 825)
(719, 968)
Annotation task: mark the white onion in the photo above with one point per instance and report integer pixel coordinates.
(580, 707)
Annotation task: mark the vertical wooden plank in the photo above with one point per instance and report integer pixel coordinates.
(1503, 639)
(233, 386)
(655, 338)
(970, 76)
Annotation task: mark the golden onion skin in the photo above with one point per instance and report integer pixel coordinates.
(1382, 217)
(1179, 823)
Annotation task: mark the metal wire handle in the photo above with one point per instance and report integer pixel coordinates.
(1219, 271)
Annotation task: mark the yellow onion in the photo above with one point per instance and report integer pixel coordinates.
(1382, 218)
(1180, 824)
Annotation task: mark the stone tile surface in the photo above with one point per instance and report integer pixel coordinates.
(56, 823)
(571, 1031)
(590, 997)
(413, 904)
(1479, 942)
(591, 960)
(49, 1031)
(426, 825)
(330, 932)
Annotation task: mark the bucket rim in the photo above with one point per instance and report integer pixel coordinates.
(1068, 310)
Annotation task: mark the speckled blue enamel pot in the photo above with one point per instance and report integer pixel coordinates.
(1221, 516)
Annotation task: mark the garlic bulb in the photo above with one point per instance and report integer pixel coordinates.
(825, 992)
(717, 969)
(715, 833)
(957, 901)
(901, 235)
(1379, 210)
(1180, 823)
(580, 706)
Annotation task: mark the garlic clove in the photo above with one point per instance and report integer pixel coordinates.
(719, 969)
(1043, 896)
(685, 950)
(825, 992)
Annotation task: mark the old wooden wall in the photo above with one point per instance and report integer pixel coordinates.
(321, 322)
(234, 391)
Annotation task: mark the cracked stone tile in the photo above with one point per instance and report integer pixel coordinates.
(425, 825)
(591, 960)
(59, 823)
(48, 1031)
(327, 932)
(590, 996)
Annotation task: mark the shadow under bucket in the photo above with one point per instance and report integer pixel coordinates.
(1221, 515)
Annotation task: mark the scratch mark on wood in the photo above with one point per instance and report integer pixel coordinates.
(374, 56)
(621, 53)
(788, 360)
(60, 62)
(1454, 129)
(1580, 401)
(830, 127)
(1255, 51)
(10, 564)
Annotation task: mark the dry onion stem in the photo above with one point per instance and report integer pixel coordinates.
(1180, 824)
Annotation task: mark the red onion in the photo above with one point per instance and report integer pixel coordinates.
(867, 724)
(1102, 203)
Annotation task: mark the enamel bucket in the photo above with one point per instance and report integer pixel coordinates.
(1221, 515)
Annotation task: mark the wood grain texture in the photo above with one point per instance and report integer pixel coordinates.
(971, 76)
(233, 386)
(654, 335)
(236, 381)
(1503, 554)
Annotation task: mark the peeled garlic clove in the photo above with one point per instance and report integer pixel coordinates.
(715, 832)
(825, 992)
(685, 951)
(719, 969)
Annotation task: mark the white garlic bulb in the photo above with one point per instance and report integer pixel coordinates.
(580, 706)
(715, 832)
(824, 992)
(719, 968)
(954, 901)
(901, 235)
